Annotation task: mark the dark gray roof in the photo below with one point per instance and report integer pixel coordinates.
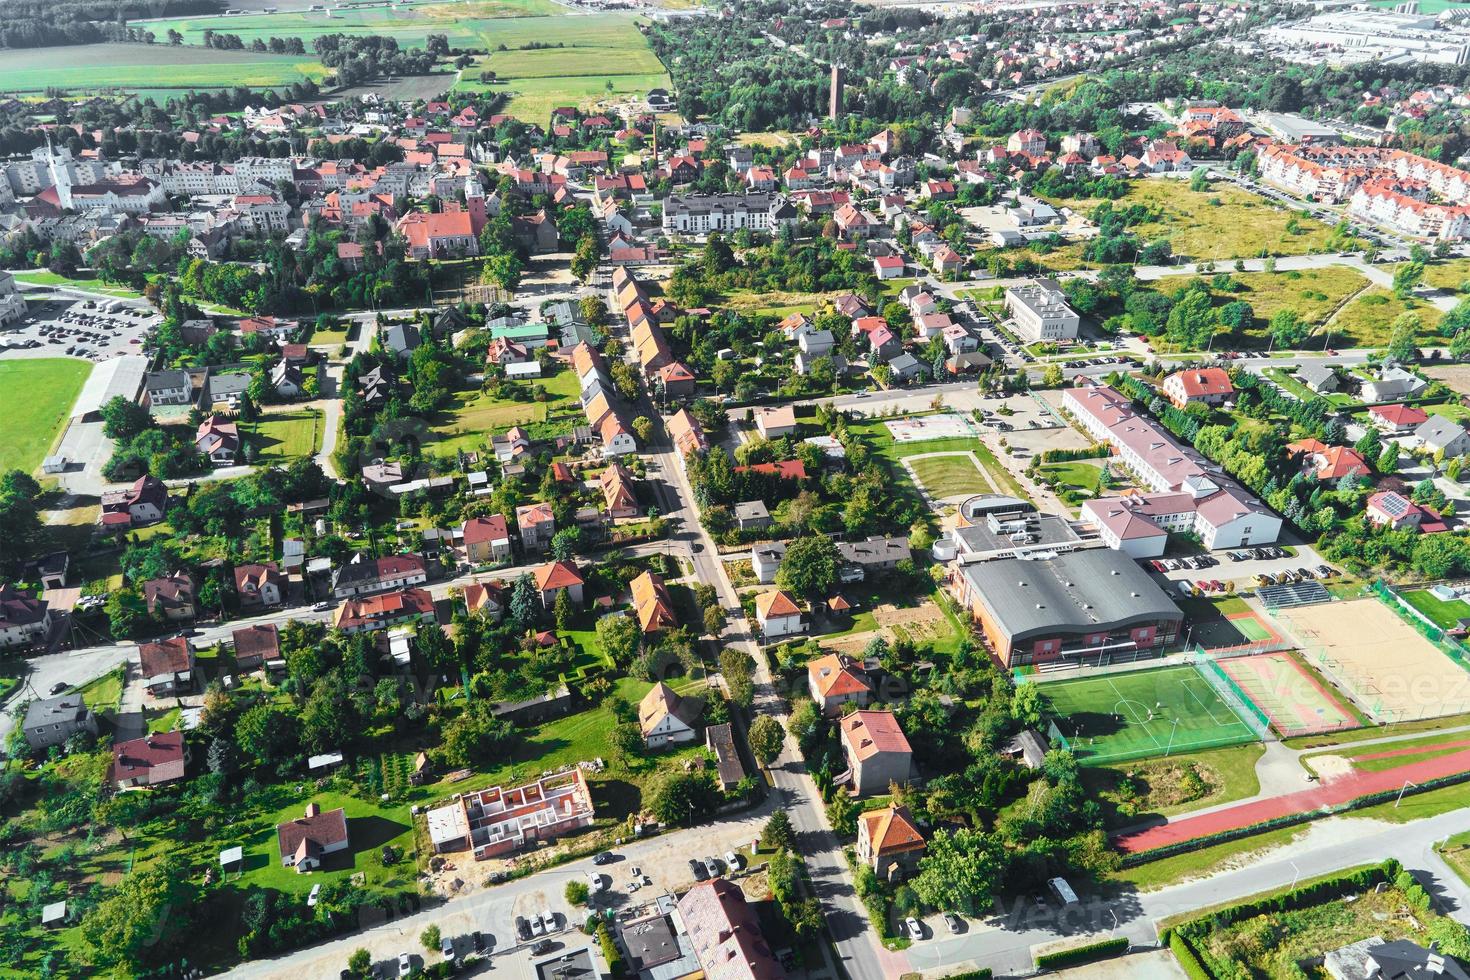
(167, 379)
(1083, 590)
(1315, 374)
(55, 711)
(875, 550)
(1438, 431)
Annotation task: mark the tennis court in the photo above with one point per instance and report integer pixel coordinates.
(1294, 701)
(1135, 714)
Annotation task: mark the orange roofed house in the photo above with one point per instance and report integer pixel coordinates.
(496, 821)
(306, 840)
(877, 751)
(652, 603)
(1210, 386)
(890, 843)
(555, 576)
(778, 615)
(437, 236)
(379, 612)
(837, 679)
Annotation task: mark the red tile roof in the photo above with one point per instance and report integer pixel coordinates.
(871, 732)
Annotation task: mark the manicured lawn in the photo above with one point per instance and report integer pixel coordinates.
(1074, 481)
(283, 436)
(875, 431)
(36, 396)
(43, 277)
(103, 693)
(1285, 380)
(1442, 613)
(1368, 320)
(369, 827)
(949, 476)
(139, 66)
(1240, 227)
(1453, 411)
(165, 722)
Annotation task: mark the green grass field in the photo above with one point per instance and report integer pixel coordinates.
(470, 24)
(474, 416)
(1368, 320)
(1446, 614)
(42, 277)
(89, 67)
(597, 50)
(36, 396)
(950, 476)
(1074, 481)
(283, 436)
(1142, 713)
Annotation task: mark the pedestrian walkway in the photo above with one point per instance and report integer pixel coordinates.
(1330, 794)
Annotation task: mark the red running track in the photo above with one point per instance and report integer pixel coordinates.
(1329, 793)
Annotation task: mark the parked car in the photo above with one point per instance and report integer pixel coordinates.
(446, 946)
(542, 947)
(953, 921)
(915, 930)
(603, 857)
(732, 860)
(697, 868)
(523, 929)
(715, 867)
(548, 920)
(405, 965)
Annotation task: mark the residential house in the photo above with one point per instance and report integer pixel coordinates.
(362, 575)
(145, 502)
(765, 560)
(51, 721)
(170, 387)
(889, 842)
(888, 266)
(1396, 512)
(778, 615)
(485, 599)
(257, 646)
(1396, 419)
(259, 585)
(873, 555)
(835, 680)
(652, 603)
(219, 439)
(1402, 959)
(167, 666)
(287, 379)
(686, 433)
(25, 620)
(1390, 384)
(719, 741)
(305, 841)
(486, 540)
(877, 751)
(773, 423)
(725, 934)
(1328, 463)
(665, 718)
(152, 760)
(558, 576)
(1321, 378)
(617, 491)
(752, 515)
(536, 524)
(1438, 434)
(1209, 386)
(367, 614)
(170, 597)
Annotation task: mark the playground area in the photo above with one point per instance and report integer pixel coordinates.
(920, 428)
(1294, 701)
(1368, 650)
(1151, 712)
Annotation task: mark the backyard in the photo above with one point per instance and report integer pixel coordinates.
(283, 436)
(36, 396)
(474, 415)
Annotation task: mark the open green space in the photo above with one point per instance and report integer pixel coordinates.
(283, 436)
(1074, 481)
(593, 58)
(875, 432)
(103, 693)
(36, 396)
(370, 826)
(1142, 713)
(1135, 791)
(1456, 853)
(43, 277)
(1243, 225)
(1444, 613)
(1367, 321)
(89, 67)
(949, 476)
(471, 24)
(1447, 274)
(473, 416)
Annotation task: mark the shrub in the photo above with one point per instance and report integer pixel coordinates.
(1083, 954)
(577, 892)
(615, 965)
(1188, 961)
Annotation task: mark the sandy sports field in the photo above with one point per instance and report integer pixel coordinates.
(1294, 701)
(1380, 661)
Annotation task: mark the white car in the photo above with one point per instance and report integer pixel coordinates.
(733, 860)
(405, 965)
(915, 930)
(548, 921)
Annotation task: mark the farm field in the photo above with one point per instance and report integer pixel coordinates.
(1240, 227)
(1368, 320)
(36, 396)
(593, 53)
(464, 23)
(135, 67)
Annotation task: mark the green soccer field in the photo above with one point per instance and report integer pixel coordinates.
(1166, 710)
(36, 395)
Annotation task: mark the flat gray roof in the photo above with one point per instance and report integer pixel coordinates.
(1077, 592)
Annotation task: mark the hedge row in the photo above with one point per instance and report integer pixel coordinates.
(1181, 938)
(1287, 820)
(1083, 954)
(610, 952)
(980, 974)
(1095, 451)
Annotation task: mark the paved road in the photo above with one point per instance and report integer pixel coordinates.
(1005, 941)
(72, 668)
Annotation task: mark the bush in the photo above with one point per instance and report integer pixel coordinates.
(577, 892)
(1096, 451)
(1083, 954)
(1188, 961)
(615, 965)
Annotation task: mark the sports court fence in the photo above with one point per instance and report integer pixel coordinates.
(1235, 698)
(1251, 649)
(1447, 644)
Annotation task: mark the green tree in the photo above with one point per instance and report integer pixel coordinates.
(683, 798)
(1389, 460)
(1287, 329)
(736, 668)
(123, 418)
(1406, 278)
(777, 833)
(643, 429)
(360, 962)
(430, 938)
(1401, 340)
(564, 610)
(143, 917)
(625, 742)
(1026, 705)
(620, 638)
(960, 870)
(766, 738)
(1053, 377)
(810, 567)
(1199, 179)
(577, 892)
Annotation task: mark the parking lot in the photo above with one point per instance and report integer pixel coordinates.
(1242, 574)
(77, 328)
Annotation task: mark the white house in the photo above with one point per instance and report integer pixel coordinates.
(667, 719)
(778, 615)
